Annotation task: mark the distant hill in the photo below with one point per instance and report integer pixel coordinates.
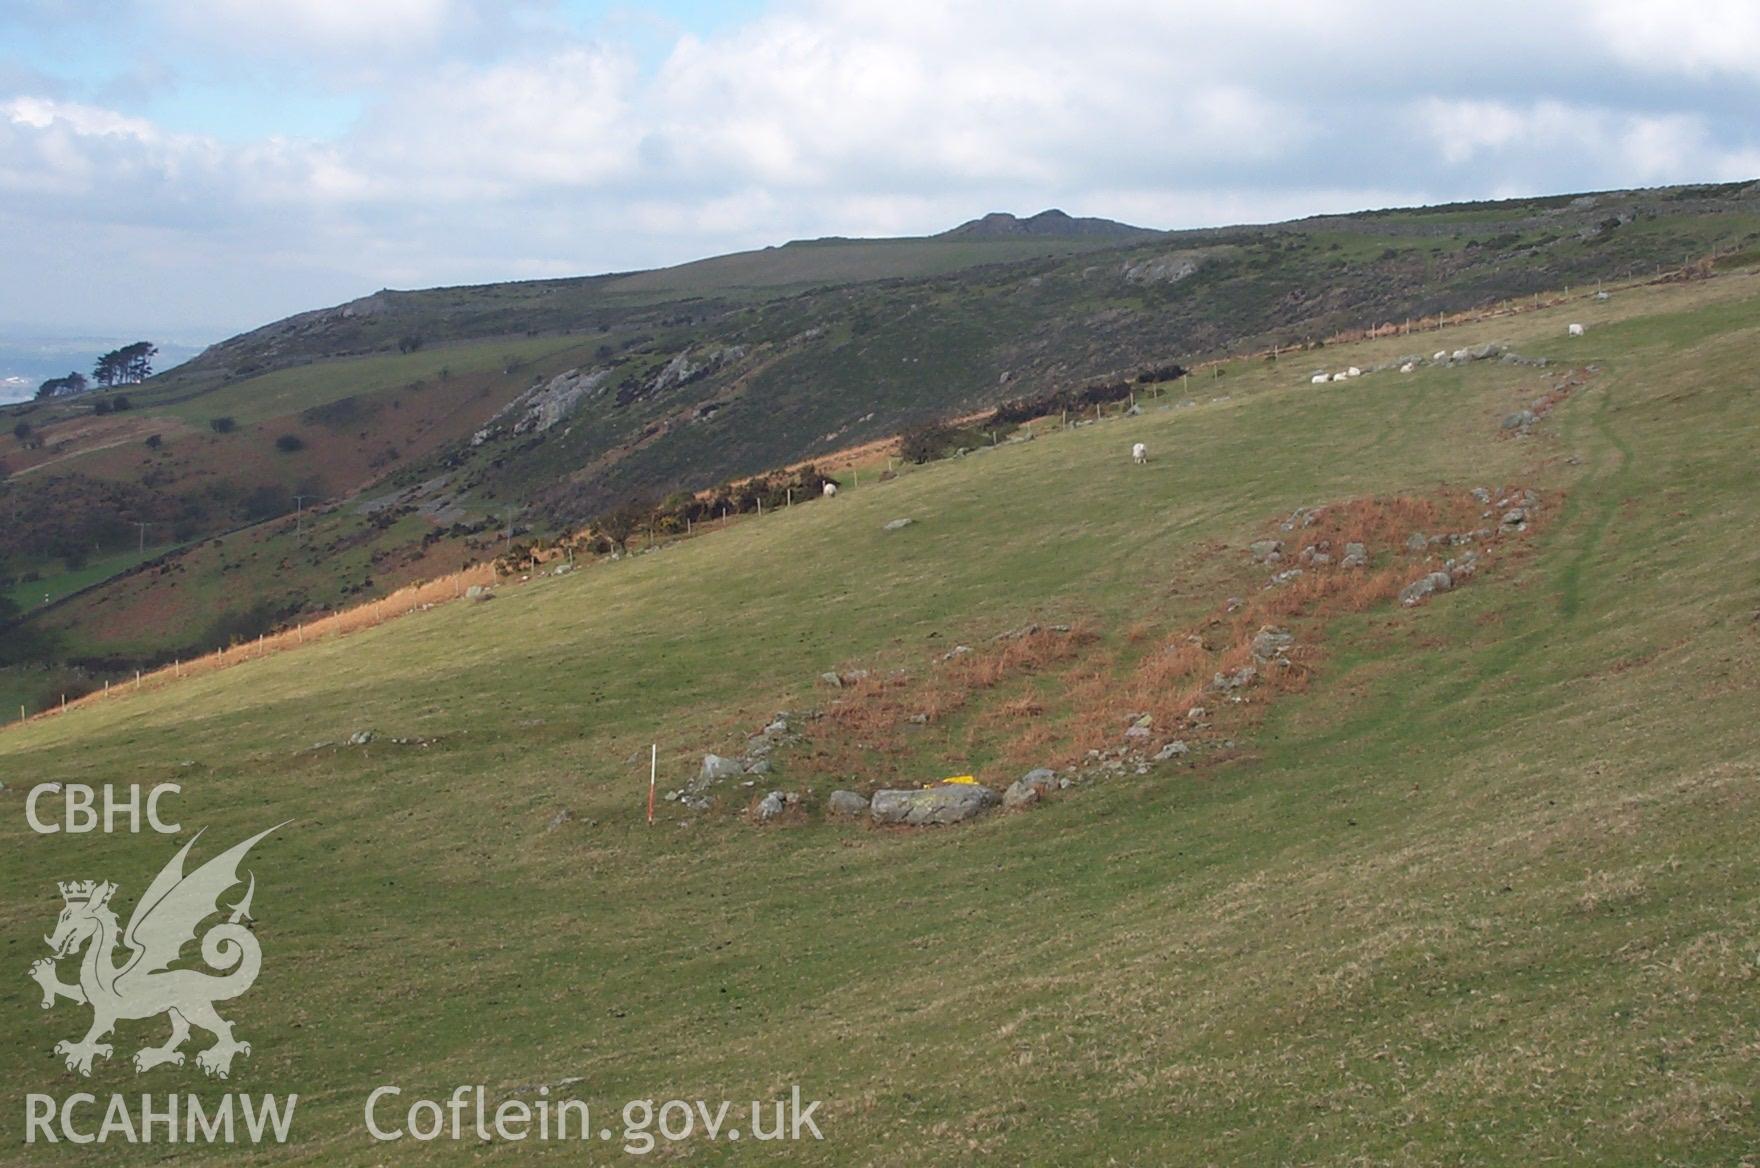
(1052, 224)
(396, 433)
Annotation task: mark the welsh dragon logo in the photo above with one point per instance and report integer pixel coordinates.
(143, 985)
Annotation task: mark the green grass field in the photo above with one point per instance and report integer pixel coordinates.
(1486, 893)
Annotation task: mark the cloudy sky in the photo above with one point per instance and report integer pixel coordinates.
(188, 168)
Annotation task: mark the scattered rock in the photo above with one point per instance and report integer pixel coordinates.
(898, 524)
(716, 768)
(1415, 592)
(1522, 420)
(1266, 551)
(1197, 714)
(956, 651)
(1272, 642)
(831, 679)
(1417, 542)
(850, 803)
(760, 767)
(1172, 750)
(557, 820)
(1284, 577)
(1239, 679)
(1482, 494)
(1355, 556)
(1515, 517)
(360, 737)
(478, 592)
(952, 803)
(1030, 788)
(770, 806)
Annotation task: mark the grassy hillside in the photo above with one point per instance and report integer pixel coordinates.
(457, 399)
(1483, 892)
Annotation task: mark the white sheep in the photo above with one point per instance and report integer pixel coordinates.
(1576, 330)
(1408, 367)
(1340, 376)
(1441, 355)
(1318, 379)
(1139, 454)
(1353, 371)
(830, 490)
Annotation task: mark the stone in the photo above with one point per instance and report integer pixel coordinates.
(831, 679)
(557, 820)
(1288, 575)
(1481, 494)
(1417, 542)
(1030, 788)
(360, 737)
(478, 592)
(1266, 551)
(778, 727)
(1239, 679)
(851, 803)
(1197, 714)
(950, 803)
(1355, 556)
(898, 524)
(1272, 642)
(1520, 420)
(770, 806)
(1138, 732)
(1515, 517)
(715, 768)
(760, 767)
(1415, 592)
(1172, 750)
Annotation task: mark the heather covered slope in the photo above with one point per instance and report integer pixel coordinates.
(1482, 892)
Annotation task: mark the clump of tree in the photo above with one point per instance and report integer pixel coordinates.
(129, 365)
(1075, 400)
(74, 382)
(678, 512)
(117, 404)
(222, 425)
(290, 443)
(933, 440)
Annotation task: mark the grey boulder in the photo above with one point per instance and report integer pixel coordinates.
(952, 803)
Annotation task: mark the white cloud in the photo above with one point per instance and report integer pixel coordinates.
(1694, 37)
(496, 140)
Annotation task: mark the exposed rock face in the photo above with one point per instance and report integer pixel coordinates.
(953, 803)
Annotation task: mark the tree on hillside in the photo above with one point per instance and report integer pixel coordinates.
(625, 521)
(129, 365)
(74, 382)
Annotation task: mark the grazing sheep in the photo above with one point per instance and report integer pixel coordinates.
(830, 489)
(1408, 367)
(1318, 379)
(1340, 376)
(1139, 454)
(1576, 330)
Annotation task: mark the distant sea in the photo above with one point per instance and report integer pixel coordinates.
(27, 360)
